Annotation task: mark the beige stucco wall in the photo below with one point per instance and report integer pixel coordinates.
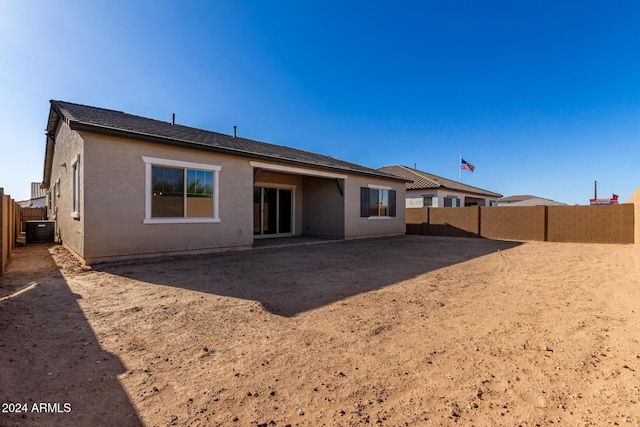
(635, 199)
(115, 202)
(323, 207)
(357, 227)
(68, 230)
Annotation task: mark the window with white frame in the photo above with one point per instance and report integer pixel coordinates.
(178, 191)
(75, 195)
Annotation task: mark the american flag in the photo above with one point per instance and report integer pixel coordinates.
(466, 165)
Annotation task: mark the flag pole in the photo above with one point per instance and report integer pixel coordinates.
(460, 169)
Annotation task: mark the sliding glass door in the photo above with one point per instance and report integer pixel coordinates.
(272, 211)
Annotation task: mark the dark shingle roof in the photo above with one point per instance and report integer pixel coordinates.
(423, 181)
(104, 121)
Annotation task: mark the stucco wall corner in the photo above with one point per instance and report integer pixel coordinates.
(635, 200)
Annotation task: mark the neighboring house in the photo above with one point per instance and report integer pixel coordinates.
(425, 189)
(124, 186)
(38, 197)
(527, 200)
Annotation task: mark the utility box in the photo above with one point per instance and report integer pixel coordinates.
(40, 231)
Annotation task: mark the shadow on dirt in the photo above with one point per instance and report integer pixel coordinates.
(289, 281)
(51, 362)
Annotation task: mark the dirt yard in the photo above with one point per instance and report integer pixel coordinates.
(405, 331)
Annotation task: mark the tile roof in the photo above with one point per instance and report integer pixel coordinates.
(533, 201)
(104, 121)
(423, 181)
(516, 198)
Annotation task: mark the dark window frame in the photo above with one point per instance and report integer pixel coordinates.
(366, 198)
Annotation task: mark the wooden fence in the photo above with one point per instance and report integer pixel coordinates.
(9, 228)
(31, 214)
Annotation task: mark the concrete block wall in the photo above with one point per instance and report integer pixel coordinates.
(627, 227)
(579, 224)
(417, 215)
(591, 224)
(457, 222)
(635, 201)
(513, 222)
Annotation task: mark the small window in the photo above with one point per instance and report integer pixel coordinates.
(377, 202)
(55, 194)
(451, 202)
(75, 168)
(427, 201)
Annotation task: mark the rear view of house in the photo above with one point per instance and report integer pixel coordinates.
(122, 186)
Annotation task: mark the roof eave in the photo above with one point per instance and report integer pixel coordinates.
(477, 193)
(52, 125)
(497, 196)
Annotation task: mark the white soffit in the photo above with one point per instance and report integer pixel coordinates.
(296, 170)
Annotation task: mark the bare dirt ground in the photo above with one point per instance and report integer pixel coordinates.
(405, 331)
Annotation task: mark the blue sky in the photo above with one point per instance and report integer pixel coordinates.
(541, 97)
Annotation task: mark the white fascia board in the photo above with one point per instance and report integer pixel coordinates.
(379, 187)
(180, 164)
